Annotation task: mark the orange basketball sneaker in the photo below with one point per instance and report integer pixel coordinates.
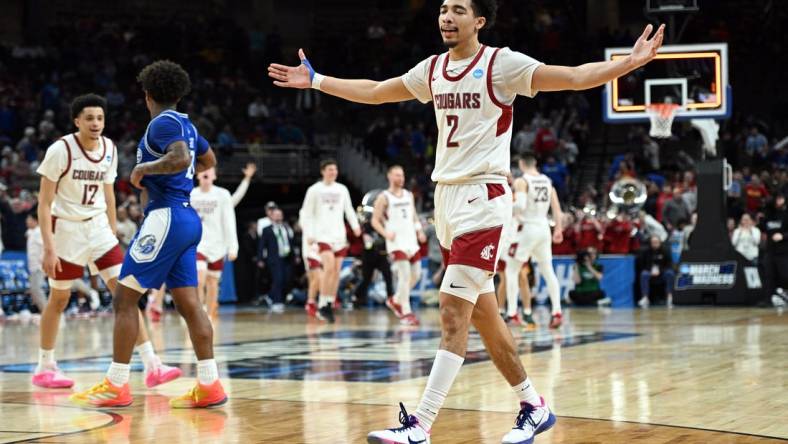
(103, 394)
(201, 397)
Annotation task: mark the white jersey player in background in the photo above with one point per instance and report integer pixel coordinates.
(473, 88)
(219, 237)
(76, 213)
(326, 206)
(535, 196)
(156, 297)
(394, 217)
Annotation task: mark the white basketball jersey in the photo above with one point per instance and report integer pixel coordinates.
(80, 175)
(538, 198)
(400, 220)
(216, 211)
(474, 127)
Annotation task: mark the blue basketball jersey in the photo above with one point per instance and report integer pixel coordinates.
(164, 250)
(169, 190)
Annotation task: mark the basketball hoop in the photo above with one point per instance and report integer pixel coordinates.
(661, 116)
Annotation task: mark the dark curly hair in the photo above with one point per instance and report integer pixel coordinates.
(487, 9)
(166, 82)
(86, 101)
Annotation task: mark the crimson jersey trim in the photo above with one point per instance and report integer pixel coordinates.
(467, 69)
(505, 121)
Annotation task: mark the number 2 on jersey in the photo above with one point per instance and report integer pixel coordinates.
(453, 122)
(89, 194)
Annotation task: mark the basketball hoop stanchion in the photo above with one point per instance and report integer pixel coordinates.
(661, 116)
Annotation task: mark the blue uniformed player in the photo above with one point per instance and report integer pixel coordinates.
(164, 249)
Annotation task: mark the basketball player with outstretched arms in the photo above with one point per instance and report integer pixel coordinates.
(472, 87)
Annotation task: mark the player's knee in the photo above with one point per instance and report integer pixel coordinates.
(122, 302)
(453, 319)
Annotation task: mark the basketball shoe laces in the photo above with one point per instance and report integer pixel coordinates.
(525, 417)
(407, 421)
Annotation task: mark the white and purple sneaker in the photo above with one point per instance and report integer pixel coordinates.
(531, 421)
(411, 432)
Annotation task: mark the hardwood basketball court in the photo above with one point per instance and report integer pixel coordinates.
(688, 375)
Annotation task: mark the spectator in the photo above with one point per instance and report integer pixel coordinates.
(755, 193)
(756, 144)
(524, 139)
(589, 230)
(276, 248)
(735, 207)
(747, 238)
(258, 110)
(587, 274)
(558, 174)
(618, 235)
(655, 263)
(675, 213)
(568, 244)
(648, 226)
(545, 141)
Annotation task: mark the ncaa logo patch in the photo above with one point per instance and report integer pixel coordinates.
(478, 73)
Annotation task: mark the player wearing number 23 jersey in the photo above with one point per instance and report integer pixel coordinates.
(165, 248)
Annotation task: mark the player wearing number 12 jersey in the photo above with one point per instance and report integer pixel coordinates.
(472, 88)
(164, 249)
(77, 215)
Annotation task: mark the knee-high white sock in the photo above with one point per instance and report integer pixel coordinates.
(403, 285)
(444, 370)
(148, 355)
(512, 285)
(553, 289)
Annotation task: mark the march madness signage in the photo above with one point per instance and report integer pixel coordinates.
(706, 275)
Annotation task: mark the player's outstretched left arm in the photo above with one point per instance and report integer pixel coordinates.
(370, 92)
(590, 75)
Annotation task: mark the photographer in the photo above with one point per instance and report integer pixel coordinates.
(587, 274)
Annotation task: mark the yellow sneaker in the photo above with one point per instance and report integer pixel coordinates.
(103, 394)
(201, 396)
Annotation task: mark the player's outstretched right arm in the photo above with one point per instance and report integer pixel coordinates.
(361, 91)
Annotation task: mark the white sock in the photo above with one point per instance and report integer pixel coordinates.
(512, 285)
(118, 374)
(403, 285)
(527, 393)
(444, 370)
(527, 311)
(324, 300)
(46, 360)
(148, 355)
(207, 371)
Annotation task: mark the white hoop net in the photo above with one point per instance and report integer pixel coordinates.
(661, 116)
